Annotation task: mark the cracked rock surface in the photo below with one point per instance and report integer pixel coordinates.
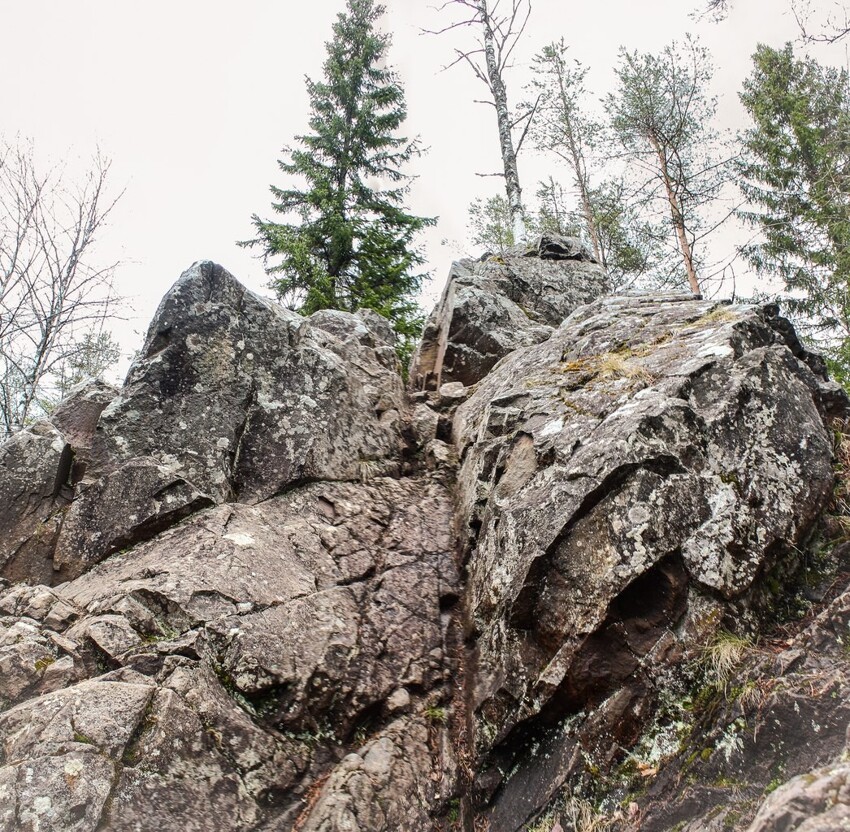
(232, 660)
(262, 588)
(501, 302)
(624, 485)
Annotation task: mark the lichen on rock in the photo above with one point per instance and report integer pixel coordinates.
(263, 587)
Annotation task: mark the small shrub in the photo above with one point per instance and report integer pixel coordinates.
(583, 816)
(435, 713)
(44, 662)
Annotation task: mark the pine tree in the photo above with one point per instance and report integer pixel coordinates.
(346, 242)
(623, 242)
(562, 127)
(796, 174)
(662, 115)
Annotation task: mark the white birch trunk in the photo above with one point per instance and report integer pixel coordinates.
(500, 99)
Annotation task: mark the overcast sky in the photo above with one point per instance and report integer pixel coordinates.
(193, 100)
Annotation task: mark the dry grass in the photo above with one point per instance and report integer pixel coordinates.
(619, 365)
(610, 366)
(576, 815)
(368, 469)
(719, 314)
(723, 654)
(584, 817)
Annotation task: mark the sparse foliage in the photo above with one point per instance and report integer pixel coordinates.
(605, 212)
(662, 114)
(717, 9)
(563, 129)
(723, 655)
(490, 224)
(346, 241)
(630, 242)
(87, 358)
(54, 297)
(835, 26)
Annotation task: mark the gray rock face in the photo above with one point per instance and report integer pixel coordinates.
(77, 416)
(232, 398)
(767, 750)
(261, 589)
(243, 650)
(815, 802)
(356, 795)
(500, 303)
(123, 507)
(624, 483)
(242, 397)
(35, 472)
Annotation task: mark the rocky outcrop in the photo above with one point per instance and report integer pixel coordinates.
(623, 484)
(500, 303)
(761, 747)
(255, 643)
(231, 398)
(262, 588)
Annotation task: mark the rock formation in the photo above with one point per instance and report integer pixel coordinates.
(262, 587)
(500, 303)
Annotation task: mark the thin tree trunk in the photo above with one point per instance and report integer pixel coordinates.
(500, 99)
(678, 218)
(581, 176)
(584, 192)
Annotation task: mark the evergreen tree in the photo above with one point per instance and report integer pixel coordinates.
(796, 175)
(345, 242)
(662, 115)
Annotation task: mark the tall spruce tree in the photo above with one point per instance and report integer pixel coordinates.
(346, 240)
(795, 172)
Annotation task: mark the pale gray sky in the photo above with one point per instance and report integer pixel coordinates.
(193, 100)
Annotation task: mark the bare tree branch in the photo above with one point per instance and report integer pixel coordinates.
(51, 297)
(498, 24)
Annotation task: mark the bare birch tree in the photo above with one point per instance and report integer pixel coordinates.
(718, 9)
(53, 298)
(835, 26)
(499, 24)
(834, 22)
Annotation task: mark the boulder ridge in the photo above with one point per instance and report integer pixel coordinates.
(585, 572)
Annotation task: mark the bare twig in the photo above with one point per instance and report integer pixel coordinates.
(52, 299)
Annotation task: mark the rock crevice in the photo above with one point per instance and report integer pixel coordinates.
(264, 587)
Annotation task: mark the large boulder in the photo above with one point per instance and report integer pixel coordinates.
(232, 398)
(624, 486)
(244, 397)
(502, 302)
(285, 595)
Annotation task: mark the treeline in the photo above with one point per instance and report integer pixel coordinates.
(647, 179)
